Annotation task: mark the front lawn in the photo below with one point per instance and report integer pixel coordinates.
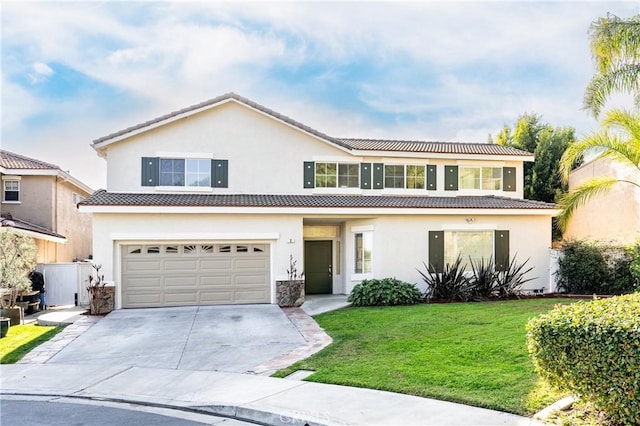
(21, 339)
(473, 353)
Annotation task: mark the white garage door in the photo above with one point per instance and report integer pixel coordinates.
(155, 275)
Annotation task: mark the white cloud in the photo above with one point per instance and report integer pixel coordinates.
(170, 55)
(41, 72)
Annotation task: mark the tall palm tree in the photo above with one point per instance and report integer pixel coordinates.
(615, 47)
(619, 140)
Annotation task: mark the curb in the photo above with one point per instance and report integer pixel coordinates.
(559, 405)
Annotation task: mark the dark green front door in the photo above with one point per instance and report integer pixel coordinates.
(318, 270)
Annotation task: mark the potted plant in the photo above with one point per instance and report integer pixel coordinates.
(17, 258)
(101, 296)
(291, 292)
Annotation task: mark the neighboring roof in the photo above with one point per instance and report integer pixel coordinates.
(432, 147)
(11, 160)
(31, 229)
(104, 198)
(345, 143)
(13, 163)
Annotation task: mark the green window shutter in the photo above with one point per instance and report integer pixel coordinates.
(309, 174)
(220, 173)
(509, 179)
(150, 171)
(502, 250)
(378, 176)
(365, 175)
(450, 178)
(432, 183)
(436, 250)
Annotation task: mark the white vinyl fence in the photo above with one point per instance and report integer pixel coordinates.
(64, 280)
(554, 258)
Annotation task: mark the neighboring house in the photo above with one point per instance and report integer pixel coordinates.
(612, 217)
(40, 200)
(205, 205)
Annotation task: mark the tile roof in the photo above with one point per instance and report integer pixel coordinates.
(217, 100)
(13, 222)
(104, 198)
(432, 147)
(10, 160)
(350, 144)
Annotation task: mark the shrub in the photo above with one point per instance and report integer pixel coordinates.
(588, 268)
(510, 281)
(592, 349)
(484, 280)
(582, 269)
(384, 292)
(450, 284)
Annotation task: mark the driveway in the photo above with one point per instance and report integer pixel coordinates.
(224, 338)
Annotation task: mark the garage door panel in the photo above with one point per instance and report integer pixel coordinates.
(153, 284)
(216, 297)
(180, 264)
(250, 296)
(142, 300)
(181, 282)
(180, 298)
(250, 279)
(195, 274)
(142, 265)
(251, 264)
(216, 265)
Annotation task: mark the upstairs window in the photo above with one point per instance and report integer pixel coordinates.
(393, 176)
(185, 172)
(415, 177)
(11, 191)
(337, 175)
(488, 178)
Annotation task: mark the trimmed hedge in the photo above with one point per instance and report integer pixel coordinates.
(592, 349)
(384, 292)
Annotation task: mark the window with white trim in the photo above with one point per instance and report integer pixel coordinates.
(393, 176)
(363, 251)
(476, 177)
(192, 172)
(415, 176)
(474, 245)
(337, 175)
(11, 191)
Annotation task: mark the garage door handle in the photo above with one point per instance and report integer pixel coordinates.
(329, 270)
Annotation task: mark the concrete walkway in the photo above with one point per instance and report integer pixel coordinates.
(247, 397)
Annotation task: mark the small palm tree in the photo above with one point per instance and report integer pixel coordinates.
(615, 47)
(618, 140)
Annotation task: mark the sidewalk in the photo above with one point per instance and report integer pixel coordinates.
(247, 397)
(260, 399)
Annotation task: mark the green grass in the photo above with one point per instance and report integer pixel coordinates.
(473, 353)
(21, 339)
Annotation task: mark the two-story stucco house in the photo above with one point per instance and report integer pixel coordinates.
(40, 199)
(206, 205)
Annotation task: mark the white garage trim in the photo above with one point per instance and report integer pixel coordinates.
(155, 237)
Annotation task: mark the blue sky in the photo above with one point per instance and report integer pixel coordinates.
(449, 71)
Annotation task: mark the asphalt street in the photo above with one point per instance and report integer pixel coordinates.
(91, 413)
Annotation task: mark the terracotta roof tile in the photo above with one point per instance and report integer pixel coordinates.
(10, 160)
(13, 222)
(432, 147)
(350, 144)
(104, 198)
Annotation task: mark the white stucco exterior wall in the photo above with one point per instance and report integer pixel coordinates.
(113, 230)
